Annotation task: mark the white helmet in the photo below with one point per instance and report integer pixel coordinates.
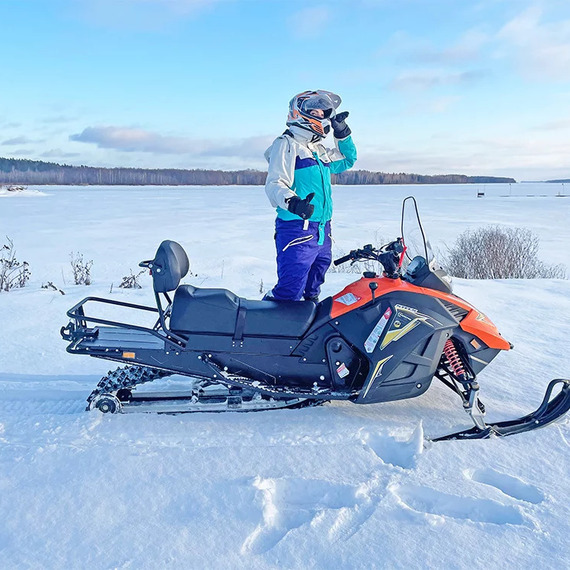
(301, 105)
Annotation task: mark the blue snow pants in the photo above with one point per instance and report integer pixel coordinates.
(301, 261)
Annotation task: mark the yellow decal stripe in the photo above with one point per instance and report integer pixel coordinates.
(377, 372)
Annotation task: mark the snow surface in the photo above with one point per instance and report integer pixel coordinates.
(337, 486)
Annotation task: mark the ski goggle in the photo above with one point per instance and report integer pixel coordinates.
(321, 102)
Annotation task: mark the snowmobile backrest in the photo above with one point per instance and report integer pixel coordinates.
(169, 266)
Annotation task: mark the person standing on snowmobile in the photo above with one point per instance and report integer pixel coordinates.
(299, 186)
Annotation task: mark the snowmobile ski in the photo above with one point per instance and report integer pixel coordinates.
(549, 411)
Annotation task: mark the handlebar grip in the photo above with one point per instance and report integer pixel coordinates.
(343, 259)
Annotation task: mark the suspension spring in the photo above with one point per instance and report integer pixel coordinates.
(454, 360)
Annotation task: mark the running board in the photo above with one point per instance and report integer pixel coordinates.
(548, 411)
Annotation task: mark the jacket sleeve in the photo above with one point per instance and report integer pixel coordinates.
(344, 156)
(281, 173)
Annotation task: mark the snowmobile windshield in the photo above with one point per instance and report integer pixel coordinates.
(413, 232)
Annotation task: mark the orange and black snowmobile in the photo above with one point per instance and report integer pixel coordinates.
(385, 337)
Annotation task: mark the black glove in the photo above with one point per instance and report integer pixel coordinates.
(301, 208)
(340, 128)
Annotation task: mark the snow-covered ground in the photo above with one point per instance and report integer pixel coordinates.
(338, 486)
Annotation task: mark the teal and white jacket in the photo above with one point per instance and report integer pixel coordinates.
(298, 167)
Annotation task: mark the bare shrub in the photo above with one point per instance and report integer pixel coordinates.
(81, 269)
(49, 285)
(13, 273)
(131, 281)
(495, 252)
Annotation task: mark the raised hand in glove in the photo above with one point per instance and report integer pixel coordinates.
(340, 128)
(301, 207)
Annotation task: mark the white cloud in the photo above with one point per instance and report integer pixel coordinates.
(538, 46)
(441, 104)
(541, 49)
(16, 140)
(310, 22)
(58, 153)
(57, 119)
(421, 79)
(521, 157)
(562, 124)
(139, 140)
(20, 140)
(141, 14)
(466, 49)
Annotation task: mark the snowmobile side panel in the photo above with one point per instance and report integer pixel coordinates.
(359, 293)
(409, 377)
(286, 370)
(400, 336)
(479, 325)
(345, 365)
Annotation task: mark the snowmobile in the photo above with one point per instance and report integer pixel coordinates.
(382, 338)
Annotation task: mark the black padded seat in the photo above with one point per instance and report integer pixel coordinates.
(277, 318)
(219, 311)
(204, 310)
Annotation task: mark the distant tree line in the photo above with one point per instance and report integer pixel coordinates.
(367, 177)
(22, 171)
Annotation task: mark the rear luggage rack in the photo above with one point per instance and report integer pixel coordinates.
(78, 328)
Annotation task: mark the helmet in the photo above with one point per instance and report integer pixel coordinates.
(300, 108)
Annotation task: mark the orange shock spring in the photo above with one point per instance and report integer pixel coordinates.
(454, 360)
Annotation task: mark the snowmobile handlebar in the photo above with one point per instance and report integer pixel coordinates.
(388, 255)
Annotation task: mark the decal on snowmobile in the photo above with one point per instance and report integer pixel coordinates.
(348, 299)
(377, 373)
(373, 338)
(406, 320)
(343, 371)
(473, 342)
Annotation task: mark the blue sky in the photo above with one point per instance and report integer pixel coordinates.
(479, 87)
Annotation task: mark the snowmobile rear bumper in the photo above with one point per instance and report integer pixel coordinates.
(549, 411)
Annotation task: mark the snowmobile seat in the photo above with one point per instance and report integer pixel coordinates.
(276, 318)
(219, 311)
(196, 310)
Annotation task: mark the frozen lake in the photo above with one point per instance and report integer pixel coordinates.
(339, 486)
